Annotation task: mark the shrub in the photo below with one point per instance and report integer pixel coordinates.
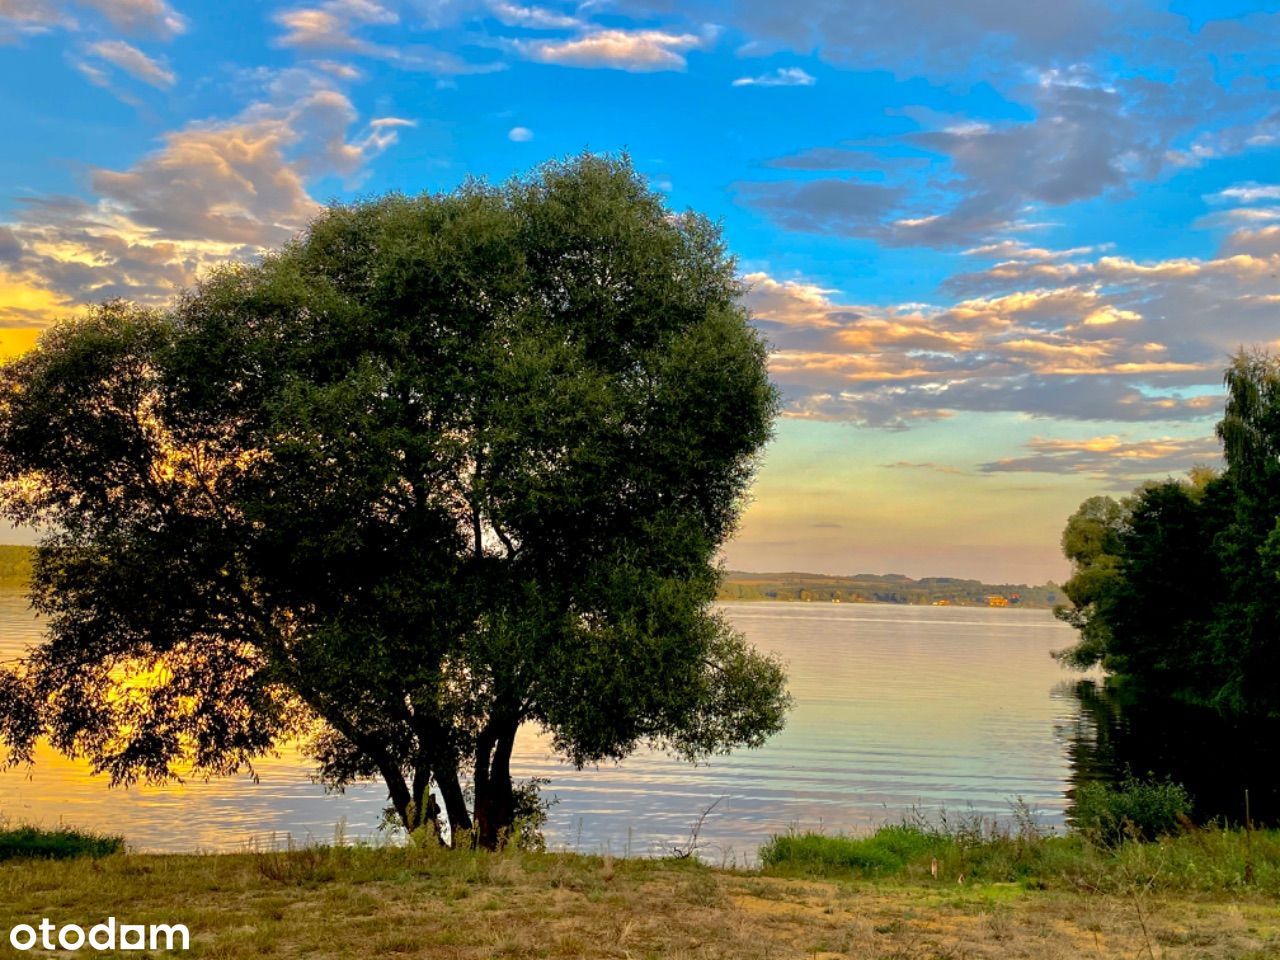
(886, 850)
(1134, 809)
(31, 843)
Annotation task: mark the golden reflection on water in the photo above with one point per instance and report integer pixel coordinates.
(895, 706)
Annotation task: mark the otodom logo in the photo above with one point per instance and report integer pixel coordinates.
(108, 935)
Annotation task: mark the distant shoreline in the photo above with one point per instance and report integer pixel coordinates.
(786, 587)
(882, 603)
(890, 588)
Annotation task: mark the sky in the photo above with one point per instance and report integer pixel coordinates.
(1002, 251)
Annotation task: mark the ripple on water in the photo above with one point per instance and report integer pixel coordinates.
(895, 706)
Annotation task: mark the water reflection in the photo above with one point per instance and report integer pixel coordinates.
(895, 707)
(1216, 758)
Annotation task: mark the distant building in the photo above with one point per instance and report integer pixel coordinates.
(995, 600)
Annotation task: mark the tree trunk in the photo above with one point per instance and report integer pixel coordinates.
(426, 811)
(455, 803)
(495, 800)
(399, 794)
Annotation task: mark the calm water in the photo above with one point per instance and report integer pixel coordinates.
(895, 706)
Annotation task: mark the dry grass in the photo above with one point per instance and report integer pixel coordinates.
(430, 903)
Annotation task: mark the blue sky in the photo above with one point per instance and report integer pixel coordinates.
(1002, 250)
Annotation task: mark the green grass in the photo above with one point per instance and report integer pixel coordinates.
(888, 850)
(422, 901)
(32, 843)
(1210, 860)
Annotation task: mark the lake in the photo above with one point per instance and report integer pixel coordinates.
(895, 707)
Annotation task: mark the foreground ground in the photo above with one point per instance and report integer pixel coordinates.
(431, 903)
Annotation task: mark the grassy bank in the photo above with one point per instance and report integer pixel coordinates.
(1202, 861)
(426, 902)
(33, 843)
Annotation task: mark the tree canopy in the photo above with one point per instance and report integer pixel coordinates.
(1176, 588)
(443, 466)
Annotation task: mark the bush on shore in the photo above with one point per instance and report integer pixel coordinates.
(1134, 809)
(32, 843)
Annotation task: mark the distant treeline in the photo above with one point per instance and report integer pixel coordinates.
(887, 588)
(15, 565)
(15, 570)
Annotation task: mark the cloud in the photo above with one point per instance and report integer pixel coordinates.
(1080, 125)
(847, 207)
(1083, 141)
(145, 17)
(1228, 140)
(332, 25)
(794, 303)
(1008, 249)
(520, 134)
(1111, 457)
(1088, 349)
(929, 36)
(24, 303)
(1261, 242)
(533, 18)
(338, 25)
(10, 246)
(637, 51)
(23, 18)
(971, 181)
(131, 60)
(940, 39)
(339, 70)
(782, 77)
(152, 18)
(234, 182)
(1249, 192)
(212, 191)
(839, 158)
(1231, 269)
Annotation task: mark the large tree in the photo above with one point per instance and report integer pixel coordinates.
(444, 466)
(1176, 589)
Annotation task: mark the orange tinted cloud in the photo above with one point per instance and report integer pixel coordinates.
(1078, 348)
(212, 192)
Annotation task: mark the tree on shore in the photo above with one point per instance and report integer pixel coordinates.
(443, 466)
(1176, 588)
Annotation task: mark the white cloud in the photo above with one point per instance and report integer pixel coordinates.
(1017, 250)
(151, 17)
(533, 18)
(1249, 193)
(520, 134)
(782, 77)
(638, 51)
(134, 62)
